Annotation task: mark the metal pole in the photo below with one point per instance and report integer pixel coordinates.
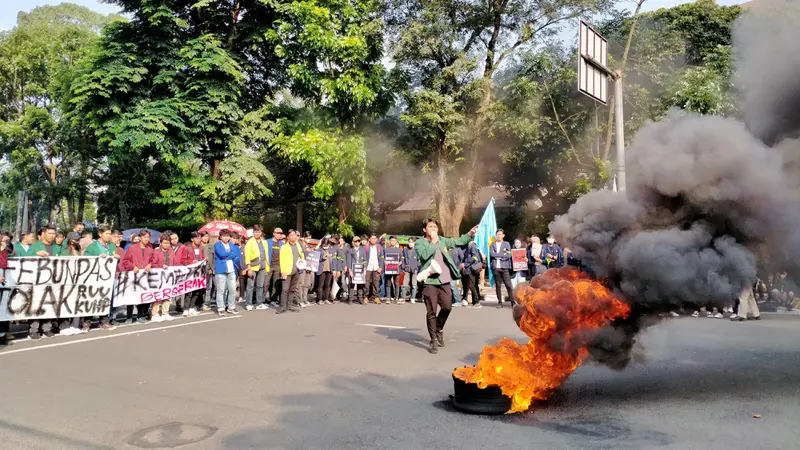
(620, 132)
(18, 223)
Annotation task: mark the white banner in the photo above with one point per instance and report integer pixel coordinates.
(56, 287)
(159, 284)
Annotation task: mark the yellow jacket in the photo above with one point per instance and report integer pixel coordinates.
(252, 255)
(287, 259)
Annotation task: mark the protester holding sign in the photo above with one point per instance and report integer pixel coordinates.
(225, 273)
(410, 266)
(290, 254)
(392, 259)
(374, 256)
(354, 267)
(4, 324)
(138, 257)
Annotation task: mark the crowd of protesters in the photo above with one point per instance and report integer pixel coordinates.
(263, 272)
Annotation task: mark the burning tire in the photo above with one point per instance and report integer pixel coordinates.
(469, 398)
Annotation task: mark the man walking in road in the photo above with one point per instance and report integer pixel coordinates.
(438, 270)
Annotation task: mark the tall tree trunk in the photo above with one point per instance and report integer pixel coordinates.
(343, 204)
(122, 209)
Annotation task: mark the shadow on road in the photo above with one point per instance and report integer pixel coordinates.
(413, 336)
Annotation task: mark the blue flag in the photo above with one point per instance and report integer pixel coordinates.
(485, 236)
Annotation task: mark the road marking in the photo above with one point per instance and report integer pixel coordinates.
(109, 336)
(381, 326)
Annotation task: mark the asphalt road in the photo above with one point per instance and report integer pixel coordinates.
(335, 377)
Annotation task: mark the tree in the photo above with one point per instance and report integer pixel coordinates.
(38, 60)
(168, 85)
(452, 52)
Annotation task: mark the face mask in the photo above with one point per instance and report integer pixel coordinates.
(411, 245)
(550, 240)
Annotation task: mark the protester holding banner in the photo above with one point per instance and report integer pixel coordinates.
(162, 258)
(4, 324)
(195, 250)
(410, 267)
(290, 254)
(46, 245)
(23, 247)
(138, 257)
(119, 255)
(500, 260)
(104, 248)
(535, 266)
(225, 273)
(255, 256)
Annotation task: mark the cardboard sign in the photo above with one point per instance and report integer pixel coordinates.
(159, 284)
(519, 258)
(312, 261)
(57, 287)
(358, 274)
(391, 263)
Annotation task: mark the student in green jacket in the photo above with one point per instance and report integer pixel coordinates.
(437, 285)
(23, 247)
(46, 246)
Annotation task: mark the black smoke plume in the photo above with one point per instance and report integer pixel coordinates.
(708, 198)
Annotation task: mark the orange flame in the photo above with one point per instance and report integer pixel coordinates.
(557, 310)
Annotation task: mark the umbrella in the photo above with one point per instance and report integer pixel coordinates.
(154, 235)
(213, 228)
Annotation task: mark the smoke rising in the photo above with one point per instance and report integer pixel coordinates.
(707, 197)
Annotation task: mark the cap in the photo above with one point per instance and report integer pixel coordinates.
(73, 236)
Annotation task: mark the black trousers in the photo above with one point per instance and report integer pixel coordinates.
(373, 285)
(503, 275)
(289, 292)
(392, 286)
(273, 285)
(434, 296)
(355, 293)
(194, 299)
(324, 285)
(141, 311)
(470, 282)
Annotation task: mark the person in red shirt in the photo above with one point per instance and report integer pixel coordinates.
(180, 254)
(137, 257)
(119, 255)
(195, 252)
(4, 325)
(164, 257)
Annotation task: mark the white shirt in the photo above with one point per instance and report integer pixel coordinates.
(373, 258)
(228, 263)
(497, 246)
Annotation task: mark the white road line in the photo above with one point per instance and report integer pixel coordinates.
(109, 336)
(381, 326)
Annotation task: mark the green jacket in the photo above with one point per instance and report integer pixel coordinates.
(425, 250)
(38, 246)
(97, 249)
(20, 252)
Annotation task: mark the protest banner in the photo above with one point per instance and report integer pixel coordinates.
(391, 263)
(519, 259)
(312, 261)
(57, 287)
(134, 288)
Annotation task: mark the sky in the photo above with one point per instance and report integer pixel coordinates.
(10, 8)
